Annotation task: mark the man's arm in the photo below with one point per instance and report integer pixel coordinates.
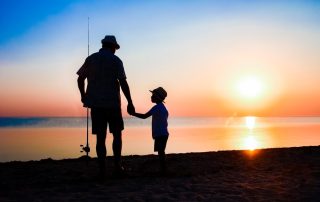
(126, 91)
(81, 86)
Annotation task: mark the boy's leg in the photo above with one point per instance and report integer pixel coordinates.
(162, 159)
(160, 146)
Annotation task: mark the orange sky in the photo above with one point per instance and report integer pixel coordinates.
(201, 52)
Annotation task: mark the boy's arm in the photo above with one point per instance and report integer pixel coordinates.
(142, 116)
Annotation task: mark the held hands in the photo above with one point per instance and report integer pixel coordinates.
(130, 108)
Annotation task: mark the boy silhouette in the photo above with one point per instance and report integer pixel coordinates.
(160, 132)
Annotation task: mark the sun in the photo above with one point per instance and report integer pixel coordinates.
(250, 87)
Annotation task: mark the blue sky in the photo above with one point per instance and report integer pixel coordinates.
(18, 17)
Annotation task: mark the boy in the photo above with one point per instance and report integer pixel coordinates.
(160, 132)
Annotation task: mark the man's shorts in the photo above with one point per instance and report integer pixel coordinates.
(160, 143)
(101, 117)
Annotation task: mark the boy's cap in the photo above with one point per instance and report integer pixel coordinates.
(160, 93)
(110, 39)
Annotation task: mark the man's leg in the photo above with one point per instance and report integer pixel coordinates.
(101, 151)
(117, 147)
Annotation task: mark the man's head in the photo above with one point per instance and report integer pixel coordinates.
(109, 41)
(158, 95)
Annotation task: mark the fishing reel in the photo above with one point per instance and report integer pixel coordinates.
(85, 149)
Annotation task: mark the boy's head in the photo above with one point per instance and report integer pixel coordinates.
(158, 95)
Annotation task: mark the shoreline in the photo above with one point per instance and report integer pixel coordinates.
(275, 174)
(84, 157)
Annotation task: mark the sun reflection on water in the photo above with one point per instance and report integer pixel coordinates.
(250, 141)
(250, 122)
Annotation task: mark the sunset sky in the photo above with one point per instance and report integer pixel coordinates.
(215, 58)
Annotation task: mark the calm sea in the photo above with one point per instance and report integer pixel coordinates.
(26, 139)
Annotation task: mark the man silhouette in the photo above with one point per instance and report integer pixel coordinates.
(105, 75)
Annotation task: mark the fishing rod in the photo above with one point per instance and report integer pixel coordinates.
(87, 148)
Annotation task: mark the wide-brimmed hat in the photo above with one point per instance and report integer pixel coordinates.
(110, 39)
(159, 93)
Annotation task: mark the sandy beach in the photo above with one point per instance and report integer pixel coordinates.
(284, 174)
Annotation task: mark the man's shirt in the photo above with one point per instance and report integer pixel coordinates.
(103, 71)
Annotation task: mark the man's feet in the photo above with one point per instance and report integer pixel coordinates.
(163, 171)
(101, 178)
(119, 171)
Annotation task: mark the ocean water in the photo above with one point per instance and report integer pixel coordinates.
(24, 139)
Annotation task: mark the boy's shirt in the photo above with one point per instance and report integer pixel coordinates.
(159, 120)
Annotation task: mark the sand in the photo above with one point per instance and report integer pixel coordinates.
(285, 174)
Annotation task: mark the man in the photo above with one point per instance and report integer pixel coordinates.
(105, 75)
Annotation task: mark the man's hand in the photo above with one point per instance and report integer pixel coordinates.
(81, 89)
(126, 91)
(130, 108)
(83, 100)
